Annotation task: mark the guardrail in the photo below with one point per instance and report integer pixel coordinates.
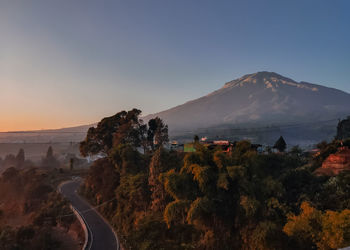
(84, 225)
(85, 229)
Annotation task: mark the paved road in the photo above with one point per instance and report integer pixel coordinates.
(101, 236)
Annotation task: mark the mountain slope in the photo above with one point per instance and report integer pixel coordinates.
(262, 98)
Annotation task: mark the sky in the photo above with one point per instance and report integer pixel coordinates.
(72, 62)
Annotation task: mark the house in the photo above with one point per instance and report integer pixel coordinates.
(258, 148)
(222, 145)
(174, 145)
(189, 147)
(225, 143)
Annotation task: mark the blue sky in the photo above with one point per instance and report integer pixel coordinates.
(65, 62)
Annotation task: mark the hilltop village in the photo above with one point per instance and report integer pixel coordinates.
(334, 164)
(223, 145)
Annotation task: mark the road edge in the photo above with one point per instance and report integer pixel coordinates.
(83, 225)
(119, 246)
(78, 216)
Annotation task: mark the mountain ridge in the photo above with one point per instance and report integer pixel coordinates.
(259, 100)
(262, 97)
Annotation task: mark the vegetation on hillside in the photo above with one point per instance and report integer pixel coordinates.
(209, 199)
(31, 209)
(17, 161)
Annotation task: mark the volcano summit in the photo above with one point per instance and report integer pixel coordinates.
(259, 99)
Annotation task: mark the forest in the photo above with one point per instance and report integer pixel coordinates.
(33, 215)
(210, 199)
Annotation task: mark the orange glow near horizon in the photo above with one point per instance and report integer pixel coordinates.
(23, 124)
(24, 107)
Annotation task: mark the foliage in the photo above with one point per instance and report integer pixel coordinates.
(157, 134)
(314, 228)
(124, 128)
(176, 211)
(19, 161)
(29, 195)
(210, 199)
(161, 162)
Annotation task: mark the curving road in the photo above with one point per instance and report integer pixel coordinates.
(101, 235)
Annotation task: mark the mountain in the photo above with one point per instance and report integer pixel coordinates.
(262, 98)
(259, 107)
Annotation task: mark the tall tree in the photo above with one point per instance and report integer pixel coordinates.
(152, 127)
(196, 139)
(280, 144)
(20, 158)
(71, 164)
(157, 133)
(49, 153)
(122, 128)
(161, 137)
(161, 162)
(50, 160)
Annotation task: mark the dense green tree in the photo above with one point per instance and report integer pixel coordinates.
(152, 128)
(161, 162)
(101, 182)
(124, 128)
(176, 212)
(128, 159)
(133, 198)
(334, 193)
(313, 228)
(211, 199)
(157, 133)
(110, 131)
